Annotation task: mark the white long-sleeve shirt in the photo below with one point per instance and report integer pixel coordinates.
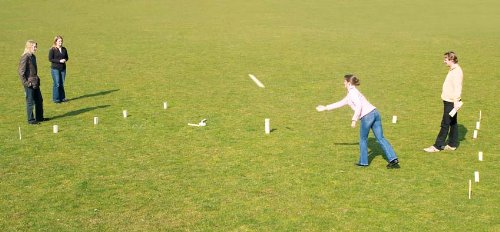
(452, 86)
(356, 101)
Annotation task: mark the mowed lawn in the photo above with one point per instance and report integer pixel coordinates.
(153, 172)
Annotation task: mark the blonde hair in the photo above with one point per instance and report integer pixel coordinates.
(55, 40)
(28, 48)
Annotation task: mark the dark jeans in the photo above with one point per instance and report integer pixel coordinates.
(34, 99)
(449, 128)
(58, 93)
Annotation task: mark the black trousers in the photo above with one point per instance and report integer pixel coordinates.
(34, 100)
(449, 128)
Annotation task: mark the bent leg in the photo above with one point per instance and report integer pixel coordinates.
(379, 135)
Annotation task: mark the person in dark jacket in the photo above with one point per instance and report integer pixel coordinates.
(31, 82)
(58, 56)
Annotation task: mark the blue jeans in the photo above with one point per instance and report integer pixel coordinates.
(373, 121)
(34, 100)
(58, 76)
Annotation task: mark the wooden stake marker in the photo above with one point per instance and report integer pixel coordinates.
(470, 188)
(267, 125)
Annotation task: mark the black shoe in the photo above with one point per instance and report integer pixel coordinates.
(360, 165)
(393, 164)
(46, 119)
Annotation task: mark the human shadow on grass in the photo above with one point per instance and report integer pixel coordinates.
(462, 131)
(374, 150)
(80, 111)
(346, 144)
(94, 94)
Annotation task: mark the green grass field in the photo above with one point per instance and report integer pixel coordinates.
(152, 172)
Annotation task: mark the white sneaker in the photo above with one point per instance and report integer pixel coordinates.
(450, 148)
(431, 149)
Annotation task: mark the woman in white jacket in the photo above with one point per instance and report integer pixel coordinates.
(370, 119)
(452, 100)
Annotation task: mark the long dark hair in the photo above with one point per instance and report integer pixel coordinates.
(352, 79)
(451, 55)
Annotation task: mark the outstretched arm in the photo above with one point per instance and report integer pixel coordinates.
(332, 106)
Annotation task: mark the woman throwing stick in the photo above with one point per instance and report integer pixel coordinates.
(370, 119)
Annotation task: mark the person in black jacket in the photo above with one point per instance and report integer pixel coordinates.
(58, 56)
(31, 82)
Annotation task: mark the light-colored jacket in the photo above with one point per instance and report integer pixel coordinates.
(356, 101)
(452, 86)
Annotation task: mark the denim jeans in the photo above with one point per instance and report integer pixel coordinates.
(448, 124)
(373, 121)
(58, 77)
(34, 99)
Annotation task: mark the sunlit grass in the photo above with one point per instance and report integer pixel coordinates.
(151, 171)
